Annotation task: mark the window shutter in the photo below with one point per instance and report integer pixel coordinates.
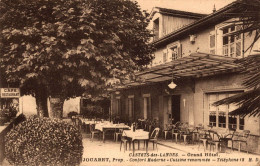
(169, 54)
(165, 56)
(212, 43)
(179, 51)
(238, 48)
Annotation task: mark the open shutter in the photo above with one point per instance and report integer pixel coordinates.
(238, 48)
(169, 55)
(212, 43)
(165, 56)
(179, 52)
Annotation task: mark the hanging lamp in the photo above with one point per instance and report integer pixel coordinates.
(172, 85)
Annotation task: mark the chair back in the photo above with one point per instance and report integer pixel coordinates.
(73, 119)
(175, 127)
(78, 123)
(231, 133)
(168, 126)
(91, 127)
(155, 133)
(246, 133)
(214, 136)
(203, 133)
(241, 135)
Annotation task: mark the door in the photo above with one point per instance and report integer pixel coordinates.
(176, 99)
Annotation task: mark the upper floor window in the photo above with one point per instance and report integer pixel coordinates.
(231, 43)
(212, 42)
(173, 52)
(156, 29)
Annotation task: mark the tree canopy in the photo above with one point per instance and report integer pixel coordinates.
(71, 47)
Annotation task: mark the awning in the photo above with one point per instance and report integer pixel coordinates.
(195, 65)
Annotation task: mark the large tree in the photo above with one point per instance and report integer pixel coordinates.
(67, 48)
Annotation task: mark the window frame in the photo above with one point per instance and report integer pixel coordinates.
(178, 52)
(228, 107)
(212, 48)
(131, 112)
(148, 104)
(118, 106)
(238, 42)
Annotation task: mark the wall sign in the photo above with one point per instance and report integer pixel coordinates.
(10, 92)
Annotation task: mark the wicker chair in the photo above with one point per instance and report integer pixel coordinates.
(241, 138)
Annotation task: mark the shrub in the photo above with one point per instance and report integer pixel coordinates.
(73, 113)
(44, 141)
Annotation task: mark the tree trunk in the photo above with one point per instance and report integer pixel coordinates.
(56, 107)
(41, 102)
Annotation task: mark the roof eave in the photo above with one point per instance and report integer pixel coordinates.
(214, 17)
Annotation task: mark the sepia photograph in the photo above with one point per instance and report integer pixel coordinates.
(130, 82)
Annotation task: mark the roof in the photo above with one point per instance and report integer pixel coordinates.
(202, 23)
(177, 13)
(195, 65)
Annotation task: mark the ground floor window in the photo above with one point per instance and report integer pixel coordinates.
(147, 106)
(219, 115)
(118, 106)
(131, 107)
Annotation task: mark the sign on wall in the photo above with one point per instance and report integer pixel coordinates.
(10, 92)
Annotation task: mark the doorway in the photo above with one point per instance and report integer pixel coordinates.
(176, 100)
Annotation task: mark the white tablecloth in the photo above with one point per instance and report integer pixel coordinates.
(138, 134)
(102, 126)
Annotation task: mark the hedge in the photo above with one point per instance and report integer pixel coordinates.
(44, 141)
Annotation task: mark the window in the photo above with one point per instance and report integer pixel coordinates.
(212, 42)
(231, 43)
(174, 51)
(165, 56)
(156, 29)
(118, 106)
(219, 116)
(147, 106)
(131, 107)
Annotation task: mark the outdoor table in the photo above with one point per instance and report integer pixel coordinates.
(87, 121)
(137, 135)
(103, 127)
(223, 134)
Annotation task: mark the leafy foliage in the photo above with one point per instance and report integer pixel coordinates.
(249, 100)
(248, 14)
(42, 141)
(93, 111)
(71, 47)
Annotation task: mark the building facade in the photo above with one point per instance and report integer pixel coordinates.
(197, 53)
